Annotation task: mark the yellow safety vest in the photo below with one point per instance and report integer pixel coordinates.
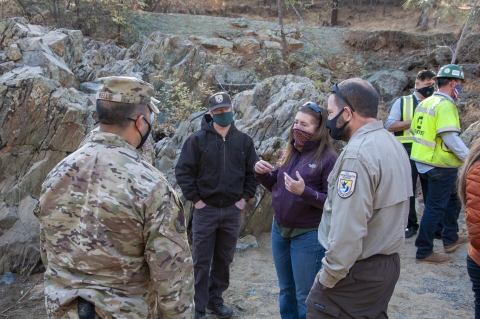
(433, 116)
(406, 136)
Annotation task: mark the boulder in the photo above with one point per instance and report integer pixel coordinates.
(7, 67)
(249, 33)
(90, 87)
(271, 45)
(37, 54)
(56, 52)
(240, 23)
(246, 45)
(42, 122)
(264, 37)
(440, 56)
(471, 134)
(215, 44)
(14, 52)
(228, 34)
(121, 67)
(293, 44)
(389, 84)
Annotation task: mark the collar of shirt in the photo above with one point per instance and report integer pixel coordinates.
(445, 95)
(415, 95)
(372, 126)
(111, 139)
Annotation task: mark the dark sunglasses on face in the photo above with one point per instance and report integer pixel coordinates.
(337, 92)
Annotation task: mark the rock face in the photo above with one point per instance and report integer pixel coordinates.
(265, 113)
(57, 53)
(389, 84)
(41, 123)
(43, 120)
(246, 45)
(471, 134)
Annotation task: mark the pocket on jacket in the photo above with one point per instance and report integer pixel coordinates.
(235, 169)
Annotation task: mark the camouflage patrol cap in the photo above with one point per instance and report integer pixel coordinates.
(127, 89)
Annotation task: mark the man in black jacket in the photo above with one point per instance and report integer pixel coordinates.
(215, 171)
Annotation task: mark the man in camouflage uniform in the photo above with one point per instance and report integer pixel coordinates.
(113, 237)
(147, 151)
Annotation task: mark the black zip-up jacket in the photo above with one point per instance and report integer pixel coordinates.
(218, 171)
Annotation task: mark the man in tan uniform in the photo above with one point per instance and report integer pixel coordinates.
(364, 217)
(112, 229)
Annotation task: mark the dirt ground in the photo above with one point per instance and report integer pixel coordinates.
(424, 291)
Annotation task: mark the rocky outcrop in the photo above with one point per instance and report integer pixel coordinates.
(471, 134)
(265, 113)
(389, 84)
(398, 41)
(57, 53)
(246, 45)
(42, 122)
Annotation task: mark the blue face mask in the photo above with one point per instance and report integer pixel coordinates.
(457, 90)
(223, 119)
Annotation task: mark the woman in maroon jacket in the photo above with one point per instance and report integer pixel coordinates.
(299, 188)
(469, 193)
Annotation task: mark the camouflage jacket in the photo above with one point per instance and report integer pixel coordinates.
(113, 233)
(147, 151)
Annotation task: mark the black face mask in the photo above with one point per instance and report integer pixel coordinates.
(336, 132)
(426, 91)
(143, 138)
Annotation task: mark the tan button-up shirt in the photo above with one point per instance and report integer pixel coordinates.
(368, 201)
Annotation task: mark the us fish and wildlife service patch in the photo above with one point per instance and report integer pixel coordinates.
(346, 184)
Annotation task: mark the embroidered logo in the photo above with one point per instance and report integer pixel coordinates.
(219, 98)
(346, 184)
(312, 165)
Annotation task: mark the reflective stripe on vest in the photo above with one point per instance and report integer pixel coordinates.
(428, 146)
(406, 136)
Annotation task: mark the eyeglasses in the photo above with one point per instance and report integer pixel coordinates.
(314, 107)
(337, 92)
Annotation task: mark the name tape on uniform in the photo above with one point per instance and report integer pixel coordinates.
(346, 183)
(109, 96)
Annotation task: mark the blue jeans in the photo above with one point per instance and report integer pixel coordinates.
(474, 272)
(297, 261)
(442, 204)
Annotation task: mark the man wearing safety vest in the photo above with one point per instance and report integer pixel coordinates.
(399, 122)
(438, 152)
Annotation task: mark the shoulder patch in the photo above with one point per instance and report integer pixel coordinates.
(346, 183)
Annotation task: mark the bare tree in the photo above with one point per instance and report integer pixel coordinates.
(459, 43)
(334, 20)
(282, 33)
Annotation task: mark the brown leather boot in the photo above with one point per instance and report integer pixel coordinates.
(435, 258)
(462, 240)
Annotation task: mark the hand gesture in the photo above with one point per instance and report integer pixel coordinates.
(263, 167)
(293, 186)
